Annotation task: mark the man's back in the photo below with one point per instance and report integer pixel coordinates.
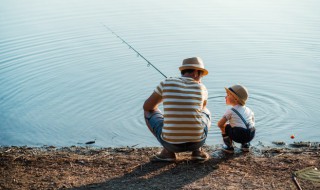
(183, 100)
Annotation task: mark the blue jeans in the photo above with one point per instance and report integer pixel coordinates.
(154, 121)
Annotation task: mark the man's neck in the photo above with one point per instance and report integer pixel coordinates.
(190, 75)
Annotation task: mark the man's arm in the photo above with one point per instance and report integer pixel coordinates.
(152, 102)
(204, 104)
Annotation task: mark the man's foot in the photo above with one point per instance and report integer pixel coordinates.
(245, 147)
(165, 156)
(228, 149)
(199, 155)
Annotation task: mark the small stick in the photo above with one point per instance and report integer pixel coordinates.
(91, 142)
(243, 177)
(296, 182)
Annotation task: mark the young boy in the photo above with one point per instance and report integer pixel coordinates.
(237, 124)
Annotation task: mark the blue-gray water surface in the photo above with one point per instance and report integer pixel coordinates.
(65, 79)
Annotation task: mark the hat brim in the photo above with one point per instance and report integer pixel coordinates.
(235, 95)
(205, 71)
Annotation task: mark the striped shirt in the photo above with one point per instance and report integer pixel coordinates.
(183, 100)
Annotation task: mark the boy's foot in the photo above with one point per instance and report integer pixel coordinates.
(228, 149)
(164, 156)
(245, 147)
(227, 141)
(199, 155)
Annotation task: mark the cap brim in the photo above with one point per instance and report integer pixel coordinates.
(234, 95)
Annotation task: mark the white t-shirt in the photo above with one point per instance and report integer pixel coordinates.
(235, 121)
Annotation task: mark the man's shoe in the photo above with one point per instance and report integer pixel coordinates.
(228, 149)
(245, 147)
(199, 155)
(164, 156)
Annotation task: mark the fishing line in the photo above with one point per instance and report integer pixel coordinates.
(138, 54)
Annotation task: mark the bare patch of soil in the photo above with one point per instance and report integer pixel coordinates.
(131, 168)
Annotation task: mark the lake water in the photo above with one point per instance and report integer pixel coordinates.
(65, 79)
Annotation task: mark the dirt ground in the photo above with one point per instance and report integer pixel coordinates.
(131, 168)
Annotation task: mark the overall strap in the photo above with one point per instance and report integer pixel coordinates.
(244, 121)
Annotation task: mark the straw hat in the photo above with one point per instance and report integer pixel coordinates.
(239, 92)
(194, 63)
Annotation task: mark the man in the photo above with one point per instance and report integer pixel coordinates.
(186, 120)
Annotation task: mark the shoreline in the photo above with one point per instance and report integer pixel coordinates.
(89, 167)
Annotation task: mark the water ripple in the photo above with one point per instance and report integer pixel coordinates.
(65, 79)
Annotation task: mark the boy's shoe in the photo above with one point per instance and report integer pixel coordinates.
(164, 156)
(199, 155)
(227, 141)
(228, 149)
(245, 147)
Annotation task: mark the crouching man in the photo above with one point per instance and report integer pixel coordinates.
(185, 122)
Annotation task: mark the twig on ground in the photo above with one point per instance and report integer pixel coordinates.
(296, 182)
(243, 177)
(279, 155)
(272, 185)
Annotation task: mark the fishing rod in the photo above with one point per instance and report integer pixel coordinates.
(139, 54)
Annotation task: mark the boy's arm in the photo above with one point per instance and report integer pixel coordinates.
(222, 125)
(222, 122)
